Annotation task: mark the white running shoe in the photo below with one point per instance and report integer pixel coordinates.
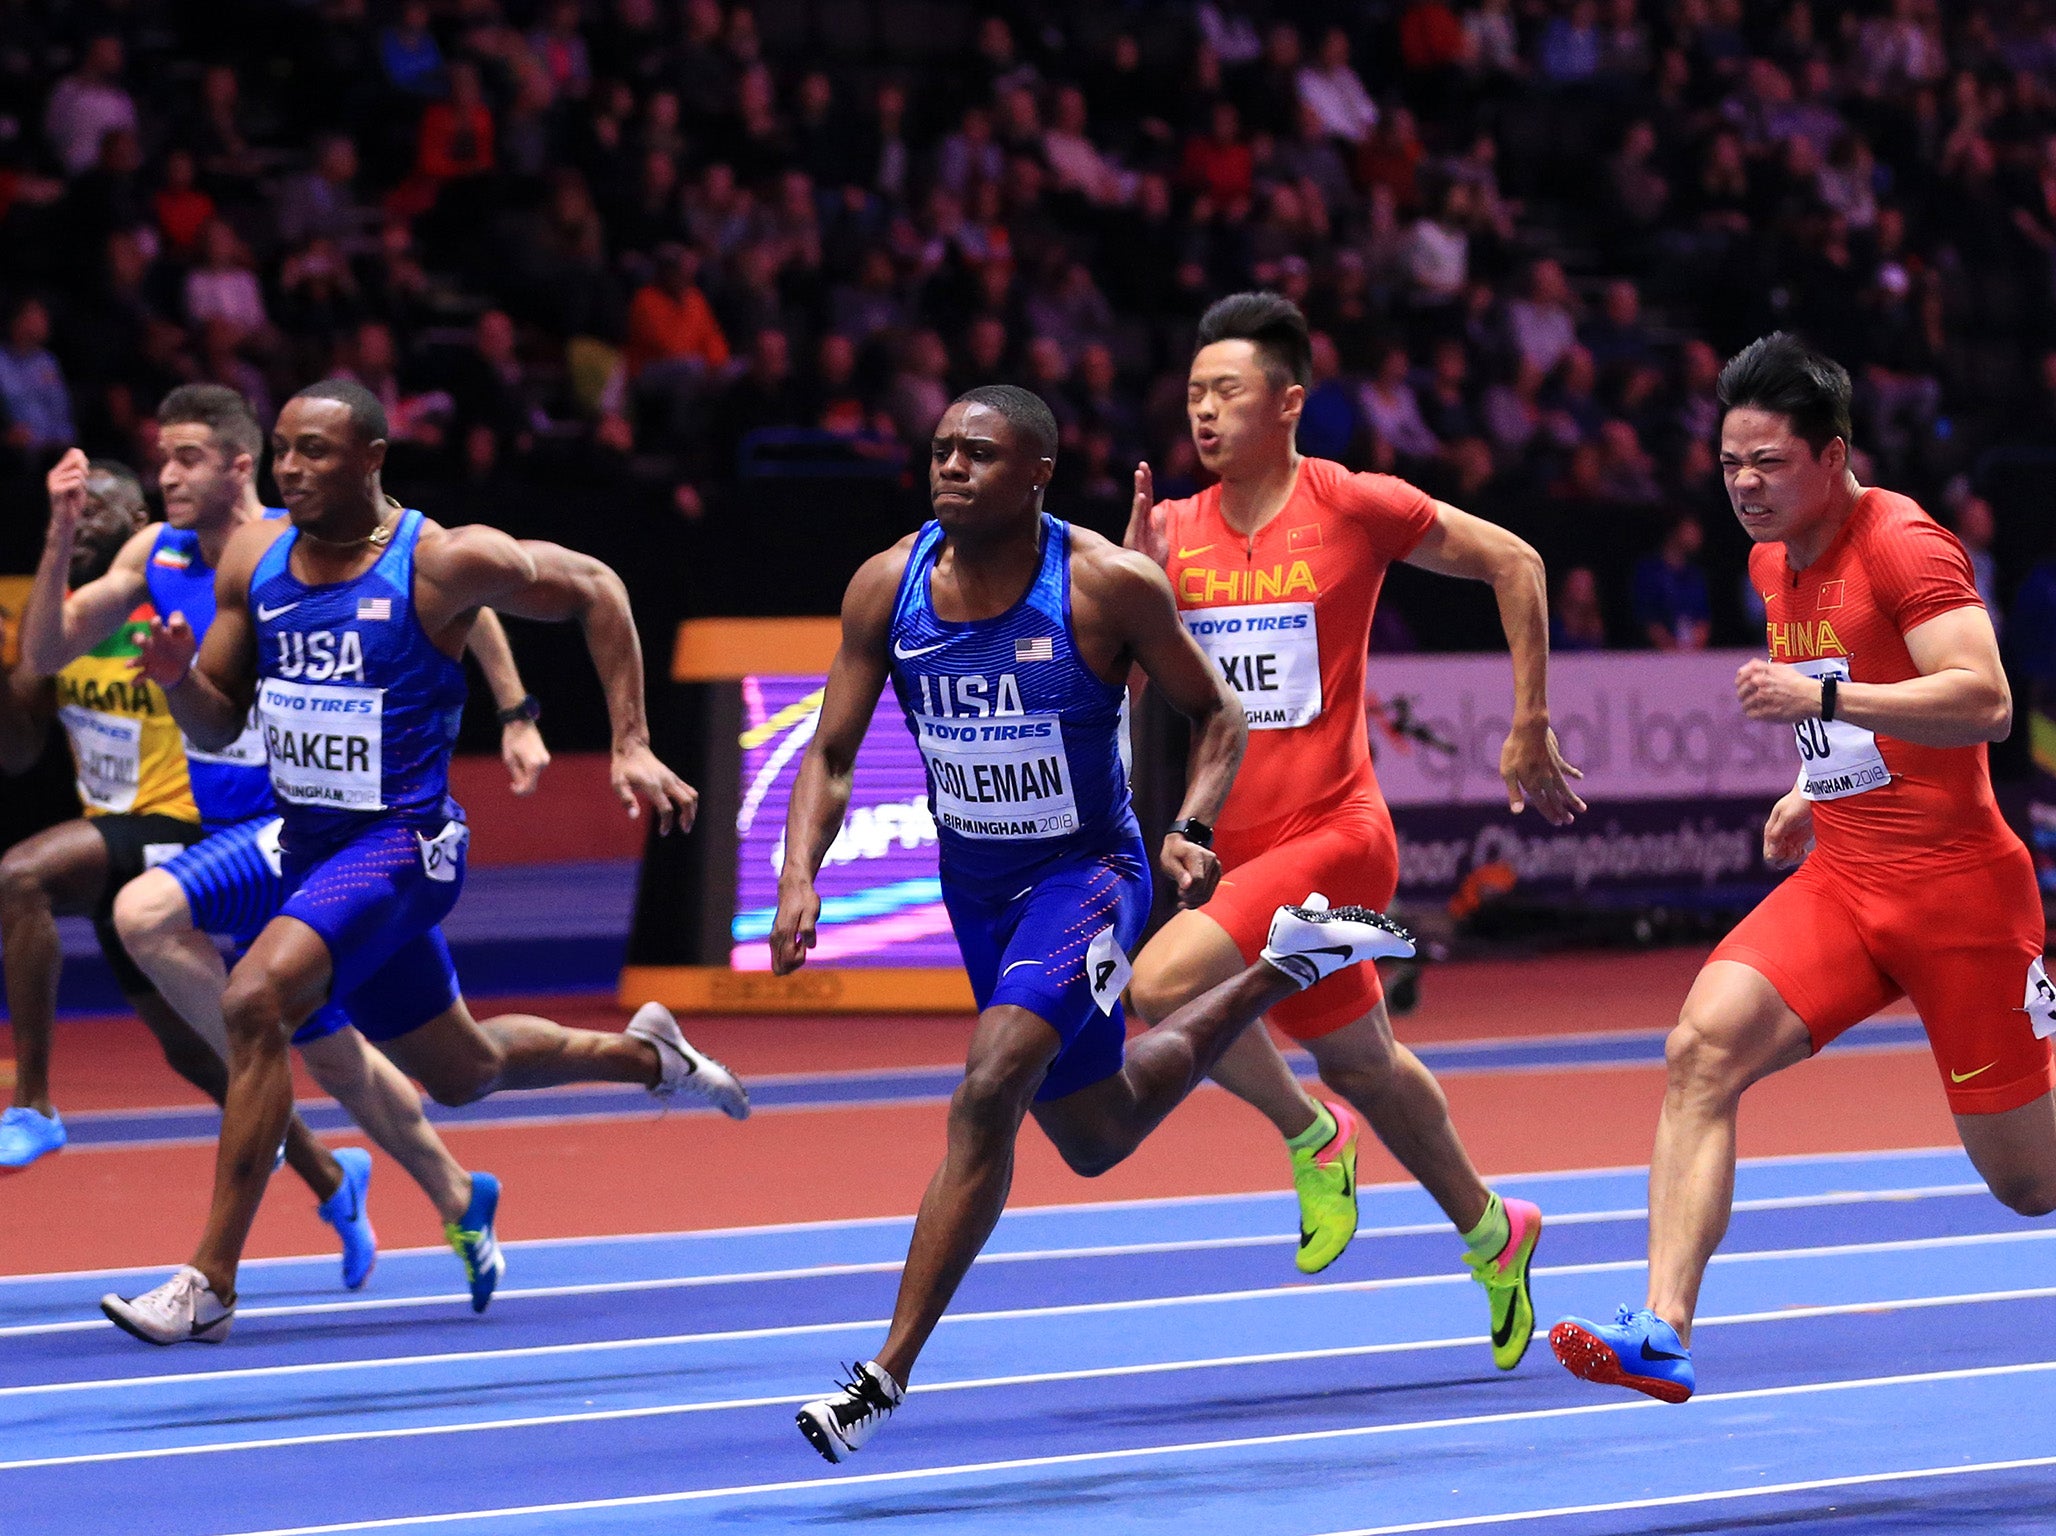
(1314, 940)
(183, 1310)
(838, 1426)
(684, 1067)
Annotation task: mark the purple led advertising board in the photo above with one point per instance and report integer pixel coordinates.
(881, 900)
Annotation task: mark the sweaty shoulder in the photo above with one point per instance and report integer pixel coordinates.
(1917, 568)
(1395, 513)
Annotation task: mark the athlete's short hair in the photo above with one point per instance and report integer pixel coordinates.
(1781, 374)
(366, 414)
(217, 408)
(1269, 322)
(1023, 408)
(113, 484)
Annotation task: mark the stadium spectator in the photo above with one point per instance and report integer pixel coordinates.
(221, 285)
(1335, 93)
(1576, 622)
(88, 104)
(32, 388)
(1672, 611)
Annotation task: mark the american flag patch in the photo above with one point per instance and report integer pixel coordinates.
(374, 608)
(1041, 649)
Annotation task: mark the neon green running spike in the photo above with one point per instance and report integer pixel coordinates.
(1325, 1178)
(1505, 1278)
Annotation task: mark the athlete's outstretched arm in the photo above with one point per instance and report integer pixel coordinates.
(55, 628)
(465, 569)
(521, 741)
(210, 686)
(1960, 699)
(1458, 544)
(821, 790)
(1129, 586)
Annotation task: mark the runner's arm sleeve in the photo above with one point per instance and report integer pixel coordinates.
(1395, 514)
(1918, 571)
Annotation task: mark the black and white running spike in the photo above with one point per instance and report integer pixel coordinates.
(1314, 940)
(838, 1426)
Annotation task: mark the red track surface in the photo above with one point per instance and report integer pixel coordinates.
(92, 1208)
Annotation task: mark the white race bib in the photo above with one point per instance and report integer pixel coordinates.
(246, 751)
(108, 750)
(442, 856)
(1840, 759)
(1270, 653)
(2040, 1001)
(1107, 969)
(1003, 778)
(323, 742)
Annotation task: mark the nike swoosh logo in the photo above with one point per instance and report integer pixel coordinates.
(906, 655)
(1329, 949)
(1018, 964)
(1187, 554)
(1502, 1332)
(1659, 1354)
(266, 615)
(1964, 1077)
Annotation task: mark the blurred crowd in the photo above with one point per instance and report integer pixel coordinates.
(687, 244)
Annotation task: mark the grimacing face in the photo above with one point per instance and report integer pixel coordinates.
(1238, 412)
(202, 477)
(1777, 485)
(983, 474)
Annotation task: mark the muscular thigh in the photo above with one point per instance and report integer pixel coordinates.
(1809, 944)
(68, 862)
(1967, 946)
(1351, 857)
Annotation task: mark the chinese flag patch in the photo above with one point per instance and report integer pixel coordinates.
(1299, 540)
(1830, 596)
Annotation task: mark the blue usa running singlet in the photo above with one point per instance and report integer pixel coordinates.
(359, 708)
(1020, 737)
(230, 785)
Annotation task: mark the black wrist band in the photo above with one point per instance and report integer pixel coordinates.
(1193, 830)
(1827, 699)
(527, 709)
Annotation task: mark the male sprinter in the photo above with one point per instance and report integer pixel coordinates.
(1883, 662)
(132, 777)
(344, 626)
(1008, 638)
(1277, 570)
(210, 443)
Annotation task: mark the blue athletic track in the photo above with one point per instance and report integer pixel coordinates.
(1877, 1352)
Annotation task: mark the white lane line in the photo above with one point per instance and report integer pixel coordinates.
(1092, 1373)
(1718, 1495)
(1020, 1256)
(1133, 1453)
(1013, 1214)
(685, 1339)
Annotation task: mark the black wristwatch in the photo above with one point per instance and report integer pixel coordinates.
(1827, 698)
(1193, 830)
(527, 709)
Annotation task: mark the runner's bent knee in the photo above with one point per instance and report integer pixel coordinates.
(150, 906)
